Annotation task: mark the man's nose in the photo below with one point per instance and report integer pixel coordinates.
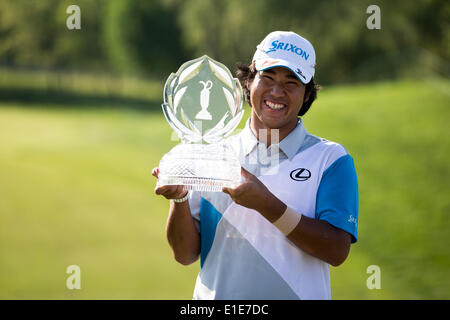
(277, 90)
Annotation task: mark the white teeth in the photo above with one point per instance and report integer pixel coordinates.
(275, 106)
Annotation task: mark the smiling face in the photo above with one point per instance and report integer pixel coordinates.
(276, 96)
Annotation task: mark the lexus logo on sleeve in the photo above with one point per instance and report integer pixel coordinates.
(300, 174)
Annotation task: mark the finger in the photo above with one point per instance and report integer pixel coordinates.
(155, 172)
(171, 191)
(180, 191)
(236, 192)
(239, 190)
(165, 190)
(245, 173)
(160, 190)
(230, 191)
(226, 190)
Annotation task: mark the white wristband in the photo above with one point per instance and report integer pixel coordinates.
(288, 221)
(181, 199)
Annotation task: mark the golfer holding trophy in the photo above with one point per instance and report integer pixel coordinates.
(262, 229)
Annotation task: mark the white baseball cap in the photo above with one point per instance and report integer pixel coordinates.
(286, 49)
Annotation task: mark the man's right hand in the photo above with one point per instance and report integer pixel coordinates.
(169, 192)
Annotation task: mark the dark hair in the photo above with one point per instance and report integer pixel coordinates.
(246, 74)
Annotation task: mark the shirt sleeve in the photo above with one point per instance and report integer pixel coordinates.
(337, 196)
(194, 206)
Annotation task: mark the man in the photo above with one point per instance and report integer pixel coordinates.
(295, 213)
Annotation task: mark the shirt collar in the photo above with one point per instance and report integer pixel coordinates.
(289, 145)
(248, 139)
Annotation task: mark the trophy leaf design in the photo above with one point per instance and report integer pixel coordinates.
(205, 91)
(221, 74)
(176, 99)
(189, 72)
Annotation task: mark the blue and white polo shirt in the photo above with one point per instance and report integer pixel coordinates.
(243, 256)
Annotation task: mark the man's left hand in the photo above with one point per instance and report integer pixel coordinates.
(253, 194)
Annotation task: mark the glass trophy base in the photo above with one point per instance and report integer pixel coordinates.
(200, 167)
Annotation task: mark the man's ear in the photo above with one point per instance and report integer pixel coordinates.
(247, 92)
(306, 97)
(247, 97)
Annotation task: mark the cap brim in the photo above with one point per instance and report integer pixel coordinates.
(264, 64)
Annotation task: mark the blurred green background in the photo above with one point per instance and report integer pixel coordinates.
(81, 128)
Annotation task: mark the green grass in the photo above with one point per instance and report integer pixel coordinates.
(76, 188)
(399, 138)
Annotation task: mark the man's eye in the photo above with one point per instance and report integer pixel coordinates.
(292, 84)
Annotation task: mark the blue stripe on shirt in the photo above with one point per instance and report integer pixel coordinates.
(337, 196)
(209, 218)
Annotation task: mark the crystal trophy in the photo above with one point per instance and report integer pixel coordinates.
(203, 104)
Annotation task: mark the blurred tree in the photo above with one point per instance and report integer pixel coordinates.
(26, 29)
(155, 37)
(85, 48)
(34, 34)
(143, 36)
(226, 30)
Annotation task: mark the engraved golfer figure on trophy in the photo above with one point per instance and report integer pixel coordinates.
(203, 161)
(204, 101)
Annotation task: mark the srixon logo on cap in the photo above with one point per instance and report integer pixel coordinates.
(277, 45)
